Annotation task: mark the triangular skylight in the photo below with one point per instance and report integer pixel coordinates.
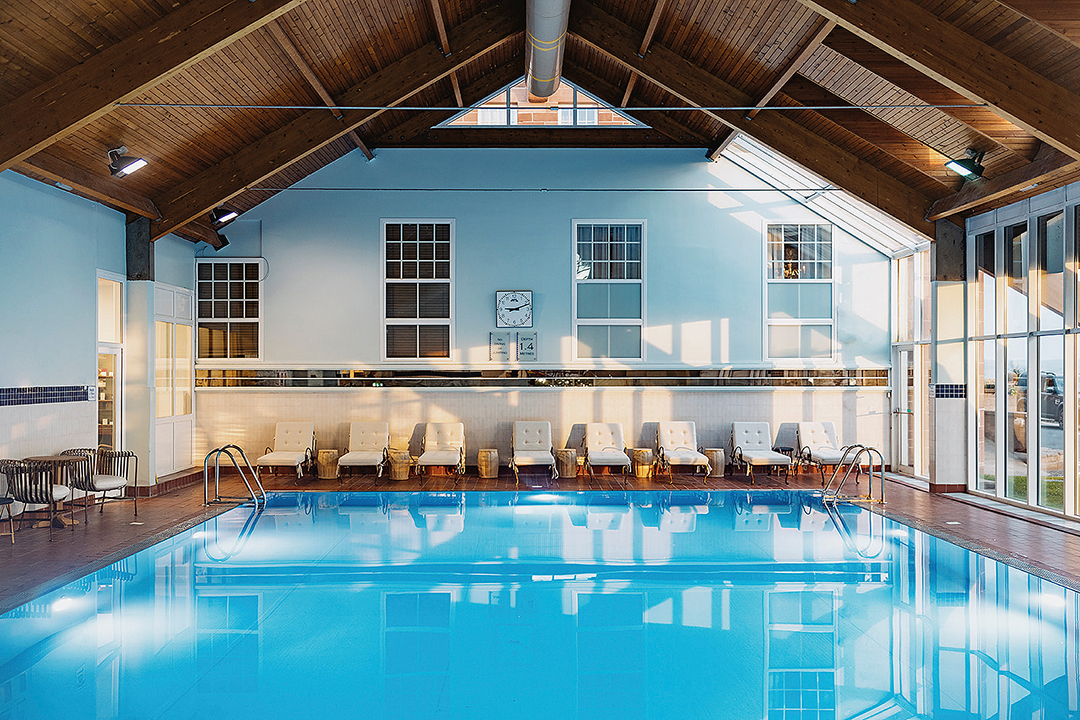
(570, 106)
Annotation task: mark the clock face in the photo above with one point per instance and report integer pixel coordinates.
(513, 308)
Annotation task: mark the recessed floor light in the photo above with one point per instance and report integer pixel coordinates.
(136, 523)
(952, 522)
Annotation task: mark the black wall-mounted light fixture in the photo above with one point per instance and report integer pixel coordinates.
(970, 167)
(121, 164)
(222, 216)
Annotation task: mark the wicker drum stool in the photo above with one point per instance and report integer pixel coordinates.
(400, 460)
(487, 463)
(566, 462)
(716, 461)
(643, 462)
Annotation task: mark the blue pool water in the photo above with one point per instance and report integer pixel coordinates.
(756, 605)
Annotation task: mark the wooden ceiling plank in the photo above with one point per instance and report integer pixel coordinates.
(294, 54)
(824, 28)
(697, 87)
(98, 187)
(1047, 169)
(970, 67)
(314, 129)
(89, 90)
(1058, 16)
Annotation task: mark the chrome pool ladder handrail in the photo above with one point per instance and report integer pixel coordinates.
(218, 497)
(241, 539)
(830, 494)
(842, 529)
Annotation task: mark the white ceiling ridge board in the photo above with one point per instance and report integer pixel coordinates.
(860, 219)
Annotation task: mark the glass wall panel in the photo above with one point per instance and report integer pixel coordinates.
(110, 311)
(1016, 283)
(986, 285)
(182, 394)
(1051, 422)
(1051, 259)
(922, 267)
(163, 369)
(985, 415)
(905, 298)
(1016, 418)
(923, 465)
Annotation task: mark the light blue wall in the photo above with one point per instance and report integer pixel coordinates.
(174, 261)
(51, 246)
(704, 252)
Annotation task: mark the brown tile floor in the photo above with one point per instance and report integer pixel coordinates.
(34, 564)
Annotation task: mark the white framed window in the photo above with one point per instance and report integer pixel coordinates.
(609, 292)
(228, 308)
(418, 258)
(799, 292)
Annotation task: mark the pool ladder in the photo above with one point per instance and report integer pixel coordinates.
(216, 453)
(831, 494)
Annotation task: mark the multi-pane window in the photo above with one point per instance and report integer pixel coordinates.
(800, 293)
(608, 292)
(417, 278)
(228, 308)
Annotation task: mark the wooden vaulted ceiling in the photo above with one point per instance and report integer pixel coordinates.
(877, 94)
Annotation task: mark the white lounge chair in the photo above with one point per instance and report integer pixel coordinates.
(294, 446)
(443, 445)
(751, 445)
(676, 444)
(604, 446)
(531, 445)
(818, 446)
(369, 444)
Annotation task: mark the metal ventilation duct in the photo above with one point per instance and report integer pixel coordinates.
(545, 31)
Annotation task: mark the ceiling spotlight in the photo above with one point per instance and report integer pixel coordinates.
(970, 167)
(121, 164)
(222, 216)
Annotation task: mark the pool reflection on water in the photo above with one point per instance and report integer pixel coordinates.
(725, 604)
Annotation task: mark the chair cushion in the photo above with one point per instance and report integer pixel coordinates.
(671, 436)
(603, 437)
(685, 457)
(440, 456)
(533, 457)
(751, 436)
(60, 492)
(444, 435)
(361, 457)
(104, 483)
(608, 457)
(765, 457)
(813, 434)
(368, 436)
(294, 436)
(294, 459)
(827, 455)
(532, 435)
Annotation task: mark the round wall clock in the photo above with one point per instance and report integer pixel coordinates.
(513, 308)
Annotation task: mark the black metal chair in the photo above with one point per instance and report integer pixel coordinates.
(106, 471)
(33, 483)
(5, 506)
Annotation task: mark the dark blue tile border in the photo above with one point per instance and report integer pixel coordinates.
(946, 390)
(43, 395)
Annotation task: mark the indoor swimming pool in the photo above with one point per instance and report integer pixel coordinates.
(725, 604)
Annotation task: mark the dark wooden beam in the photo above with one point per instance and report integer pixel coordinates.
(1048, 167)
(201, 231)
(667, 123)
(824, 28)
(444, 45)
(697, 87)
(101, 188)
(965, 64)
(906, 149)
(301, 64)
(317, 128)
(989, 129)
(650, 31)
(89, 90)
(540, 136)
